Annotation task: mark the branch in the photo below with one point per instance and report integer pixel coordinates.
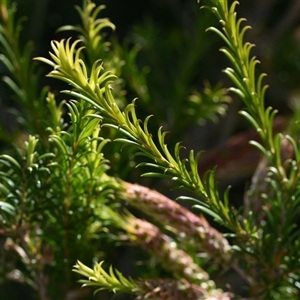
(187, 225)
(160, 245)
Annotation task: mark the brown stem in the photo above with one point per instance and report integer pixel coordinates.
(165, 250)
(193, 229)
(168, 289)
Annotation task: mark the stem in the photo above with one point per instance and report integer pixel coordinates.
(188, 226)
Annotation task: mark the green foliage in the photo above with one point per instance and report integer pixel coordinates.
(111, 281)
(60, 195)
(23, 77)
(95, 89)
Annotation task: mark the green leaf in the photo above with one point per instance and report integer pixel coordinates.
(7, 208)
(209, 212)
(10, 160)
(113, 280)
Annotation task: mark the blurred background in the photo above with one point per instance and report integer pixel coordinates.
(179, 59)
(179, 56)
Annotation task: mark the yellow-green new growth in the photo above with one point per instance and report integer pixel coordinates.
(113, 280)
(248, 85)
(96, 89)
(91, 29)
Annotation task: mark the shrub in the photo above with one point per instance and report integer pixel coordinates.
(63, 199)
